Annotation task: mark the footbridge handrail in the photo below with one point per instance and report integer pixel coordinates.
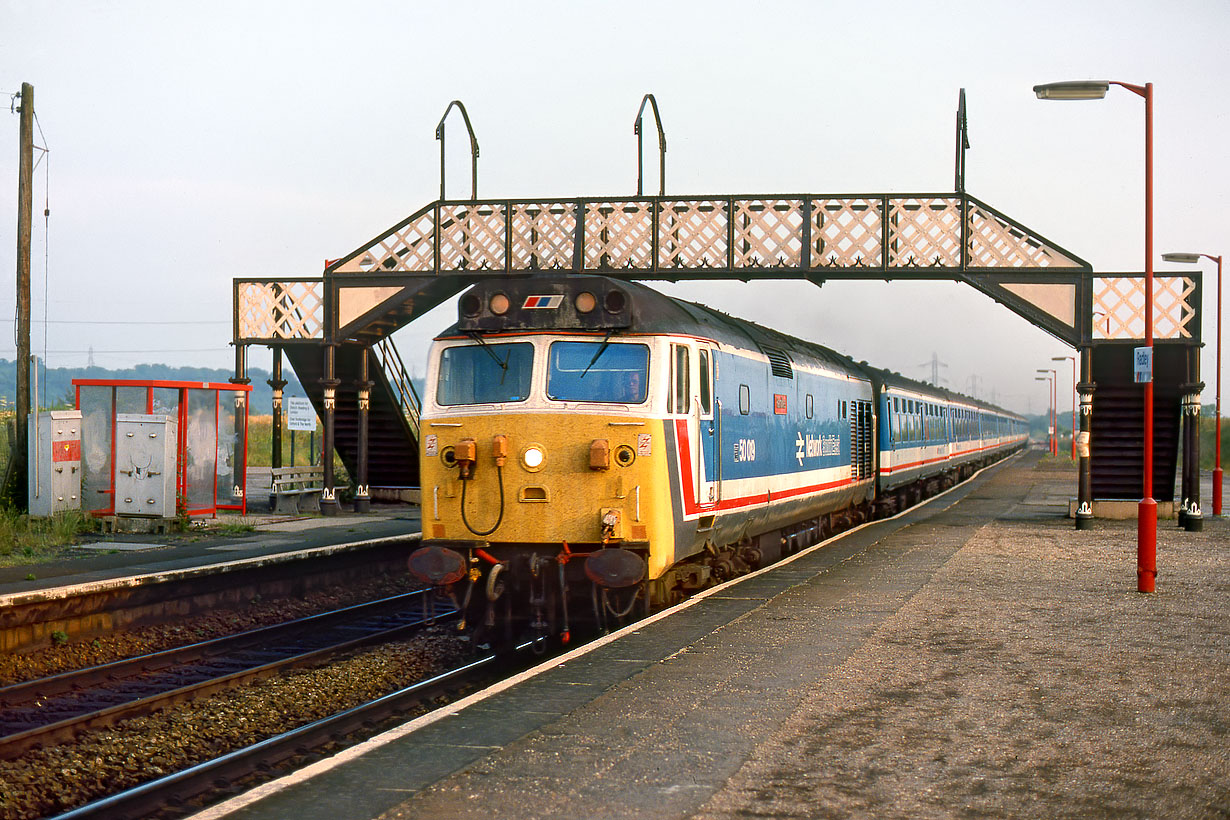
(399, 379)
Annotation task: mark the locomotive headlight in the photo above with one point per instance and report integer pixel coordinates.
(499, 304)
(533, 457)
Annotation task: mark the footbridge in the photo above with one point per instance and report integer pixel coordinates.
(335, 327)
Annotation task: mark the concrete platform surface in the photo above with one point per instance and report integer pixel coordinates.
(978, 657)
(114, 558)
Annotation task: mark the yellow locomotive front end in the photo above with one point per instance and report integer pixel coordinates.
(542, 462)
(524, 478)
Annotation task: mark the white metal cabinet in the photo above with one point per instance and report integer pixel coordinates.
(54, 482)
(145, 465)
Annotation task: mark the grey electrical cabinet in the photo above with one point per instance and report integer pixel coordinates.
(54, 482)
(145, 465)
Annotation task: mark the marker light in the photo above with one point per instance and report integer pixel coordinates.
(499, 304)
(586, 302)
(615, 301)
(471, 305)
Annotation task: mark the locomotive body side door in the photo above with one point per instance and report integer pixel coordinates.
(691, 402)
(708, 441)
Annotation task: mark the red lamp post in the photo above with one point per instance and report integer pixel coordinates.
(1192, 258)
(1050, 377)
(1146, 519)
(1073, 360)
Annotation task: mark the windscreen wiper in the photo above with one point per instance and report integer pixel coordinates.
(606, 341)
(503, 364)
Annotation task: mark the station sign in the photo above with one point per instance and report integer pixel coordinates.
(1142, 364)
(300, 415)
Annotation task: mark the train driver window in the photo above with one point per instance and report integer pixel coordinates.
(706, 399)
(679, 382)
(745, 399)
(598, 372)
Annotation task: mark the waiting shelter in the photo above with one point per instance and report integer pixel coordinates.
(211, 427)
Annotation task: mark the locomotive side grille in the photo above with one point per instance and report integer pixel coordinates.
(861, 458)
(779, 362)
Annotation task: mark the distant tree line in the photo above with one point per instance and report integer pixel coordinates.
(56, 384)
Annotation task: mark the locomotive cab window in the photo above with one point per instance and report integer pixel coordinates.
(680, 387)
(598, 372)
(745, 399)
(706, 395)
(485, 373)
(810, 407)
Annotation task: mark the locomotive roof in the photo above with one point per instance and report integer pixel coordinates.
(654, 312)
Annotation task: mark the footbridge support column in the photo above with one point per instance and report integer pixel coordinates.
(328, 495)
(362, 495)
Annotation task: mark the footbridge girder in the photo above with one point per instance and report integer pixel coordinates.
(788, 236)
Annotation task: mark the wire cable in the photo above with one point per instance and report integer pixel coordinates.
(500, 478)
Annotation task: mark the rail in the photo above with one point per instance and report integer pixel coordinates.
(263, 756)
(97, 697)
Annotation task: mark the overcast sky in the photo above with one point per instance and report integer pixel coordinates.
(191, 143)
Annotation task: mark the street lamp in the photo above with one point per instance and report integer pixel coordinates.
(1054, 445)
(1073, 360)
(1146, 519)
(1191, 258)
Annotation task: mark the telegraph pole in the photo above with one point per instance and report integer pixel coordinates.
(15, 479)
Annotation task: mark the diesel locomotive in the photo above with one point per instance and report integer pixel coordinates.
(589, 444)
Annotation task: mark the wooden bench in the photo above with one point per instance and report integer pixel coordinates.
(296, 490)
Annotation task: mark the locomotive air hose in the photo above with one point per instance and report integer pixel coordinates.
(499, 471)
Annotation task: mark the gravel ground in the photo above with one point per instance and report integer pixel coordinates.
(1052, 689)
(78, 654)
(49, 781)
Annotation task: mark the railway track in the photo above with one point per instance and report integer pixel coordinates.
(56, 709)
(235, 769)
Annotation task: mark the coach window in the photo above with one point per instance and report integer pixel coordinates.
(745, 399)
(680, 379)
(706, 402)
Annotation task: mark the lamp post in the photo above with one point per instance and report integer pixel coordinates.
(1050, 377)
(1073, 360)
(1191, 258)
(1146, 518)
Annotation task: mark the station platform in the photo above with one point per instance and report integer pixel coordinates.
(112, 559)
(976, 656)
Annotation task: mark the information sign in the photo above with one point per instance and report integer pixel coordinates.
(300, 415)
(1142, 364)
